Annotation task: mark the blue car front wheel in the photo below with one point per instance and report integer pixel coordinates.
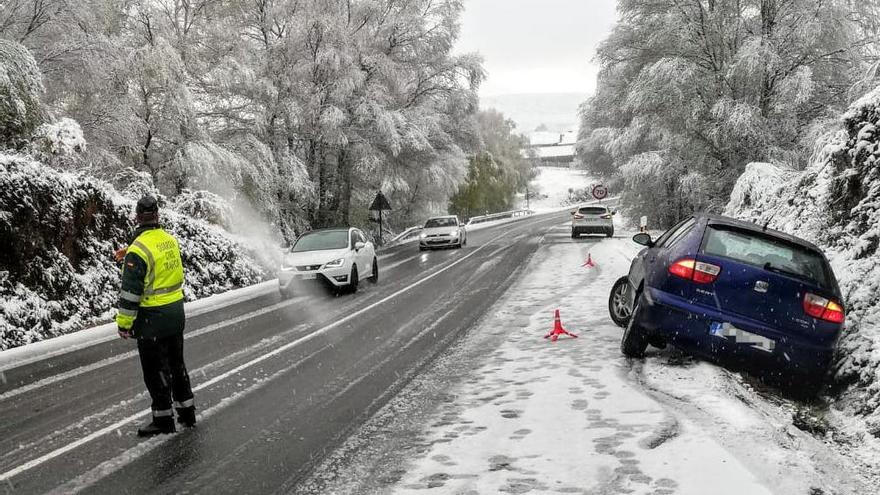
(635, 341)
(618, 302)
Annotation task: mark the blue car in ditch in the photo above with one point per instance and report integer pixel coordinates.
(720, 287)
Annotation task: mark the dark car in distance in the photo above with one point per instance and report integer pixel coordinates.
(717, 286)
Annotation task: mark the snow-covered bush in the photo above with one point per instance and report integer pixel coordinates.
(57, 235)
(21, 85)
(64, 137)
(835, 203)
(203, 205)
(135, 184)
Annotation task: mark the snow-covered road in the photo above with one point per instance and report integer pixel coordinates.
(510, 412)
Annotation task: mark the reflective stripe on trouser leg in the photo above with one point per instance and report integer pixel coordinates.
(180, 384)
(186, 403)
(163, 413)
(156, 378)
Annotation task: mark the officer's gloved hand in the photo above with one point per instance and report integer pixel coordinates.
(123, 333)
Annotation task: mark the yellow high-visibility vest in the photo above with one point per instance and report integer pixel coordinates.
(164, 281)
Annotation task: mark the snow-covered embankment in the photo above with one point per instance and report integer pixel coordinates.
(57, 235)
(835, 203)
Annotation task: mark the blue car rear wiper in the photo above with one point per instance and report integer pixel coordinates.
(770, 267)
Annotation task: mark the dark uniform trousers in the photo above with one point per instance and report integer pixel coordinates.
(165, 373)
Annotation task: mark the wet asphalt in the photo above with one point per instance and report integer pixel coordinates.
(279, 383)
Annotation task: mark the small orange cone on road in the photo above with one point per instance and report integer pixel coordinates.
(589, 263)
(558, 330)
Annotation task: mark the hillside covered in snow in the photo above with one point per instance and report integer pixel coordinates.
(835, 203)
(554, 187)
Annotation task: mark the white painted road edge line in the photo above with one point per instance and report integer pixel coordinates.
(49, 380)
(129, 354)
(321, 331)
(188, 335)
(63, 344)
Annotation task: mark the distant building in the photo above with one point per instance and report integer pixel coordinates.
(553, 148)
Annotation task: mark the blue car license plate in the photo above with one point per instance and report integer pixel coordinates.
(727, 331)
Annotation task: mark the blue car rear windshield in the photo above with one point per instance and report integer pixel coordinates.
(771, 253)
(318, 241)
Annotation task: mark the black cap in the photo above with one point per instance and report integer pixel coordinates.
(147, 204)
(147, 210)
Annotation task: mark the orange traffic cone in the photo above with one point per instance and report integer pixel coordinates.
(557, 329)
(589, 263)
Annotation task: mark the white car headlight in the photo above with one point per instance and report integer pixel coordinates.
(454, 234)
(335, 263)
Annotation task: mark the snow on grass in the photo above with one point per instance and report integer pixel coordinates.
(510, 412)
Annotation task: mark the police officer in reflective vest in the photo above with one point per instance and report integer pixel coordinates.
(151, 311)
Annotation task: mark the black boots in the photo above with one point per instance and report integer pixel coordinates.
(186, 416)
(158, 426)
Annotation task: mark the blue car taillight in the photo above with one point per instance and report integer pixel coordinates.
(822, 308)
(697, 271)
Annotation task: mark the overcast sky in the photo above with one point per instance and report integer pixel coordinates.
(536, 46)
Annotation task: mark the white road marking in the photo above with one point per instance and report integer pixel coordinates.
(126, 355)
(392, 266)
(321, 331)
(89, 337)
(210, 328)
(8, 475)
(108, 467)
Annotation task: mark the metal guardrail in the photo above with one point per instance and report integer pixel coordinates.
(412, 232)
(499, 216)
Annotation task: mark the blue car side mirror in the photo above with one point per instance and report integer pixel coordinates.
(643, 239)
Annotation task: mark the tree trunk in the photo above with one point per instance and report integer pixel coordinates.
(145, 154)
(343, 206)
(769, 10)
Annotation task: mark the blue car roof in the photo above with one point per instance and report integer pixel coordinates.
(753, 227)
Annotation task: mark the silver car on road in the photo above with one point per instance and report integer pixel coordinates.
(592, 220)
(446, 231)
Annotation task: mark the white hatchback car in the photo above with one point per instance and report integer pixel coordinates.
(592, 220)
(336, 258)
(445, 231)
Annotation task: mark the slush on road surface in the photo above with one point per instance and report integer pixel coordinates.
(510, 412)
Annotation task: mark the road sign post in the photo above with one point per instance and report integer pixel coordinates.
(380, 204)
(600, 192)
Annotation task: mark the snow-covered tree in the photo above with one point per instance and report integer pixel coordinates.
(21, 86)
(302, 107)
(497, 170)
(709, 86)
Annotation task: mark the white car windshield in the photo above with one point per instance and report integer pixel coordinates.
(323, 240)
(440, 222)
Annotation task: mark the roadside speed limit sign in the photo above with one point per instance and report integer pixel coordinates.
(600, 191)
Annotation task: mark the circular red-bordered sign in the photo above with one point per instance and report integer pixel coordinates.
(600, 192)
